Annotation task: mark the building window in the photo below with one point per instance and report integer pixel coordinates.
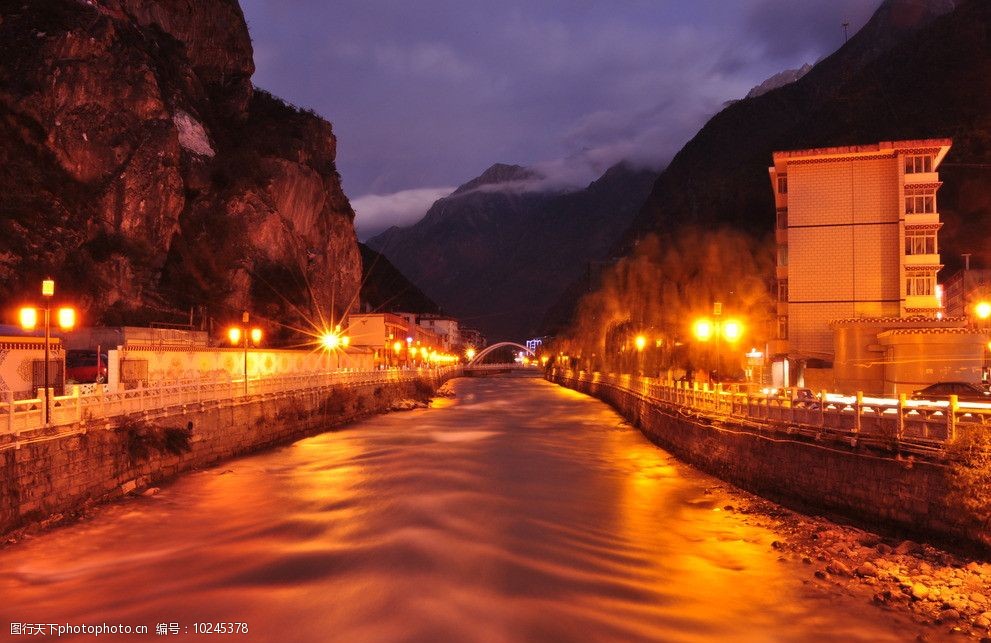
(920, 201)
(919, 285)
(782, 218)
(918, 164)
(783, 327)
(783, 184)
(922, 242)
(782, 290)
(782, 255)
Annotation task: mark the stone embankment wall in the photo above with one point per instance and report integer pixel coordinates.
(878, 491)
(52, 472)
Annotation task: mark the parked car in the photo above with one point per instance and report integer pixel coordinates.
(943, 390)
(85, 366)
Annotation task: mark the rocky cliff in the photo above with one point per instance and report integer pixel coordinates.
(141, 169)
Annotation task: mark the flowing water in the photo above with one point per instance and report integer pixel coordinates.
(517, 511)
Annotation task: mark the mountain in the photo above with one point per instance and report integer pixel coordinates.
(501, 176)
(497, 254)
(779, 79)
(142, 170)
(918, 69)
(383, 288)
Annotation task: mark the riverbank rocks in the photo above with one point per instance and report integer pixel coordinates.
(447, 390)
(936, 588)
(407, 405)
(837, 568)
(867, 569)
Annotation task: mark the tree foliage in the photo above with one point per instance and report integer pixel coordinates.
(665, 284)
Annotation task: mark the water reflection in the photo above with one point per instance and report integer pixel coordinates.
(517, 511)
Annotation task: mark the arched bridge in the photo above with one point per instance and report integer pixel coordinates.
(476, 365)
(477, 360)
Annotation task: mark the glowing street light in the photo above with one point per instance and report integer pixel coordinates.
(732, 330)
(982, 309)
(703, 329)
(470, 353)
(640, 342)
(240, 335)
(66, 318)
(335, 341)
(29, 318)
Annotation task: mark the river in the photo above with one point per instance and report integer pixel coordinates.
(516, 511)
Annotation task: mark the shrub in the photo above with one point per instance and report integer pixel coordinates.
(970, 471)
(143, 437)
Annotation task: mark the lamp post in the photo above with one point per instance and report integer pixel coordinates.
(730, 330)
(640, 341)
(336, 342)
(29, 320)
(239, 335)
(982, 311)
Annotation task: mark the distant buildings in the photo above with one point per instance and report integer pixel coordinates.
(445, 327)
(409, 339)
(964, 289)
(857, 264)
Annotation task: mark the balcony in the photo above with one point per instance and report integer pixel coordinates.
(919, 178)
(929, 218)
(921, 260)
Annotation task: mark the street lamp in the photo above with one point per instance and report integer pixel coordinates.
(730, 330)
(703, 329)
(640, 341)
(982, 311)
(29, 320)
(336, 342)
(240, 335)
(470, 353)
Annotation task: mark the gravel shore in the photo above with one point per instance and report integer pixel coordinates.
(947, 594)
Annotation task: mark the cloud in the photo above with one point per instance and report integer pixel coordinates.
(425, 59)
(376, 212)
(433, 92)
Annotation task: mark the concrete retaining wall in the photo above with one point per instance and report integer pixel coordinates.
(875, 490)
(49, 472)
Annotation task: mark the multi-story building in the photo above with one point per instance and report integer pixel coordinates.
(964, 289)
(394, 338)
(857, 235)
(445, 327)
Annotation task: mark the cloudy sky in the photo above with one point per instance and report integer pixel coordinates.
(426, 94)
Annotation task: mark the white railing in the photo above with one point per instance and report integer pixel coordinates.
(912, 425)
(173, 397)
(516, 366)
